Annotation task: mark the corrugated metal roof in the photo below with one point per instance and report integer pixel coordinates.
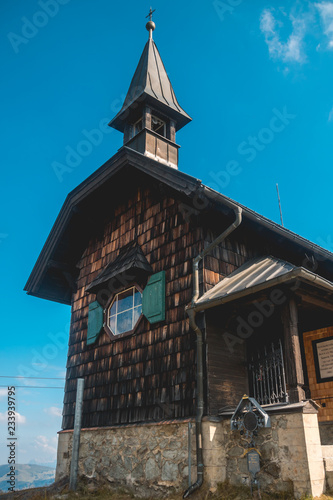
(151, 79)
(248, 276)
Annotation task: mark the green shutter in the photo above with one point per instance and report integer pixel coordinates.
(95, 321)
(153, 298)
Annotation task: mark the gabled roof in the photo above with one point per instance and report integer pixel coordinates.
(53, 276)
(151, 82)
(256, 275)
(131, 259)
(66, 242)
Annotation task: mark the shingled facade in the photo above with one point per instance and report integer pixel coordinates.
(135, 226)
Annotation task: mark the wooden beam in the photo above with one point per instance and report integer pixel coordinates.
(172, 131)
(292, 352)
(316, 302)
(146, 118)
(70, 273)
(62, 266)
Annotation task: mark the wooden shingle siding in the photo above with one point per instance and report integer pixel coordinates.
(237, 249)
(128, 379)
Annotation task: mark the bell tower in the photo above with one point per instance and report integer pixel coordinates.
(151, 114)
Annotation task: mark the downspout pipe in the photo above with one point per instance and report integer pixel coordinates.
(191, 314)
(238, 219)
(200, 406)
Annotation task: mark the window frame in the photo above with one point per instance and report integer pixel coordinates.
(135, 132)
(108, 308)
(164, 125)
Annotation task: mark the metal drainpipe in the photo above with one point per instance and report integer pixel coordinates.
(191, 314)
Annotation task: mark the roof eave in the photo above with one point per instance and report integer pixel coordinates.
(273, 226)
(180, 181)
(52, 298)
(179, 116)
(125, 156)
(299, 273)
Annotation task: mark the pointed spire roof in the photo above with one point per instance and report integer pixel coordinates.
(151, 83)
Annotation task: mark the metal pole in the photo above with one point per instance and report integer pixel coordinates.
(189, 453)
(76, 434)
(277, 188)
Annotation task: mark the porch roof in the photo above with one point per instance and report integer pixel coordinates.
(256, 275)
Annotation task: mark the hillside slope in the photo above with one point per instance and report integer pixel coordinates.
(27, 476)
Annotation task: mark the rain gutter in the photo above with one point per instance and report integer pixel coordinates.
(319, 252)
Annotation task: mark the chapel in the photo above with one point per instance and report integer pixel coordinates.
(182, 302)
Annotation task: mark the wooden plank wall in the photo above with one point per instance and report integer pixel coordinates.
(227, 373)
(150, 375)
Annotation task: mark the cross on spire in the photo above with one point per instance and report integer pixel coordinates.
(150, 15)
(150, 25)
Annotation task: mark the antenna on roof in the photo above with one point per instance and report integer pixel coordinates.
(277, 189)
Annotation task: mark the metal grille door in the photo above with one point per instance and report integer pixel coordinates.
(267, 375)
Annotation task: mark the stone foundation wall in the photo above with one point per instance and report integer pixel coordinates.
(328, 460)
(143, 457)
(291, 456)
(291, 453)
(154, 457)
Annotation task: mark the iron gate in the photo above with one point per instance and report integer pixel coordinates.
(267, 375)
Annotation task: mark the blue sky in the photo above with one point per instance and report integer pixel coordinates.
(256, 77)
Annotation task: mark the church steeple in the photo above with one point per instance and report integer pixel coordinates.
(151, 114)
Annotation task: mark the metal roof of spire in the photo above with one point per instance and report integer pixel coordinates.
(151, 83)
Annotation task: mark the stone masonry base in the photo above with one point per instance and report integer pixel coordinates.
(154, 457)
(144, 457)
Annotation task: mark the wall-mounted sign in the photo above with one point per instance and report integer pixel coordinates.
(323, 358)
(253, 462)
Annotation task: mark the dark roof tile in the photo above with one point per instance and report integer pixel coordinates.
(131, 259)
